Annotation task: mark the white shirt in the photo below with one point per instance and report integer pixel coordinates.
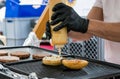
(111, 12)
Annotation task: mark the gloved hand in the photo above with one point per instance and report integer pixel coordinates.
(32, 40)
(68, 18)
(48, 31)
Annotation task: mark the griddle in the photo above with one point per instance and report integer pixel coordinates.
(95, 70)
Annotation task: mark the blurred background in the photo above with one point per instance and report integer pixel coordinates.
(18, 17)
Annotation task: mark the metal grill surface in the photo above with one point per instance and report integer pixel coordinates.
(94, 70)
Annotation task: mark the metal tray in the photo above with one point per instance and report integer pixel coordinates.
(95, 70)
(30, 49)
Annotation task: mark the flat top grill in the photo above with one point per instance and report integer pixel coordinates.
(95, 70)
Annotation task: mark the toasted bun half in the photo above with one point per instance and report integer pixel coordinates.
(3, 53)
(39, 55)
(52, 60)
(6, 59)
(74, 63)
(20, 54)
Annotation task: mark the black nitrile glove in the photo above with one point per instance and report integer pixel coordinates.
(68, 18)
(48, 31)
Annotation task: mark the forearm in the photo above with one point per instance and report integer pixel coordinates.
(79, 36)
(110, 31)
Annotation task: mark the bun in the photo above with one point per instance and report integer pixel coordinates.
(52, 60)
(3, 53)
(20, 54)
(6, 59)
(74, 63)
(39, 55)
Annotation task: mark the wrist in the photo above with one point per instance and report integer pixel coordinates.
(91, 27)
(84, 25)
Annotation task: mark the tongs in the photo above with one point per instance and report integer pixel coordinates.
(15, 75)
